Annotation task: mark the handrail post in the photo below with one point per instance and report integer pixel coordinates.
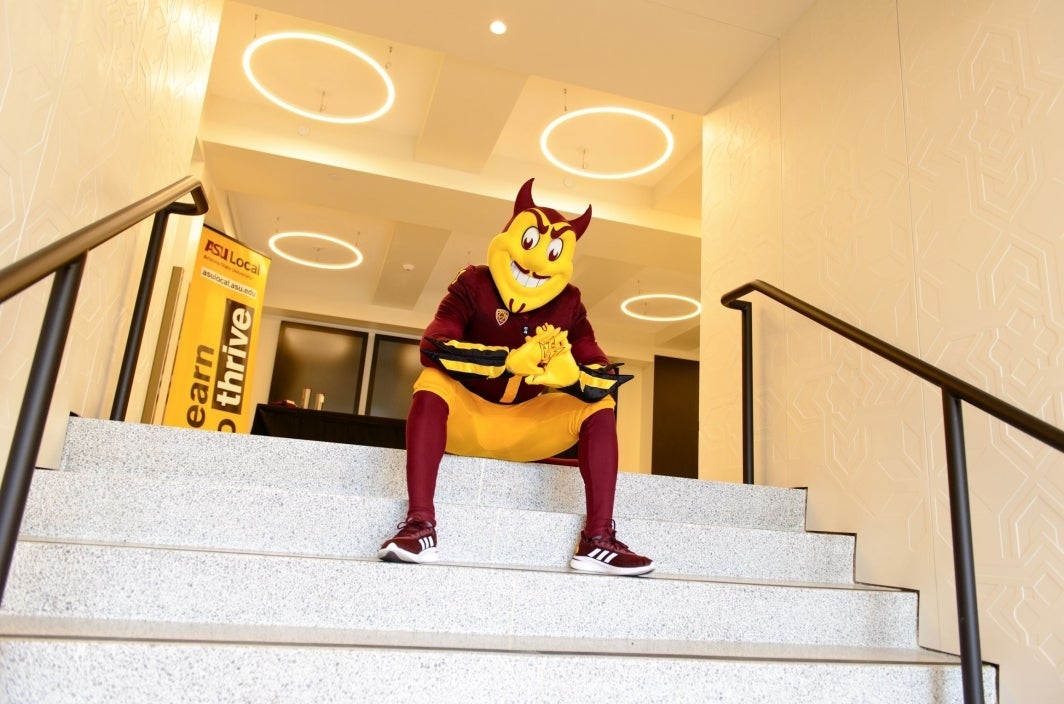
(29, 429)
(963, 555)
(748, 390)
(124, 387)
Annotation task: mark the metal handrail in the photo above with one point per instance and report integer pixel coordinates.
(65, 258)
(954, 391)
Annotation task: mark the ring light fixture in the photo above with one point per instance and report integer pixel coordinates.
(275, 247)
(669, 141)
(322, 39)
(657, 297)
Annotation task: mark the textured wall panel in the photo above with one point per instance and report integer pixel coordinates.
(741, 233)
(100, 106)
(922, 174)
(983, 87)
(856, 422)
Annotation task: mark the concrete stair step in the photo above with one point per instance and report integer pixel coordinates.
(194, 513)
(170, 565)
(156, 451)
(128, 672)
(119, 592)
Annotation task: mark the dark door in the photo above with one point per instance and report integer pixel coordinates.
(675, 436)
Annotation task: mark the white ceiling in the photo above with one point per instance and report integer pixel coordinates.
(421, 190)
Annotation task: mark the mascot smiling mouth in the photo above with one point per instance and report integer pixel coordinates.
(525, 277)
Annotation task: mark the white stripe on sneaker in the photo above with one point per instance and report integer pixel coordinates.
(602, 555)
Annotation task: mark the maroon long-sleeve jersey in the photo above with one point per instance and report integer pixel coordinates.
(472, 333)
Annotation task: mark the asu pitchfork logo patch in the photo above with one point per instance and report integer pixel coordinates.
(501, 316)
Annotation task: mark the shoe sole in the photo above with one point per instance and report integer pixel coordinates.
(393, 553)
(590, 564)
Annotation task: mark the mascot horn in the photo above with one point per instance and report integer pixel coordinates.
(524, 202)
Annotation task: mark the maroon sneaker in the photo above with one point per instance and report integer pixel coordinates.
(607, 555)
(415, 542)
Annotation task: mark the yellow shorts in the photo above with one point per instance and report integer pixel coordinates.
(533, 430)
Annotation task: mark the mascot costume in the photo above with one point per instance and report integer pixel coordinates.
(503, 336)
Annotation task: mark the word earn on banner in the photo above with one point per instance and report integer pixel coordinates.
(219, 333)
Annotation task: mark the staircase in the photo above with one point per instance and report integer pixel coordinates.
(165, 565)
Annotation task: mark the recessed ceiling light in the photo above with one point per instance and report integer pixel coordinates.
(669, 142)
(343, 46)
(497, 27)
(275, 247)
(657, 297)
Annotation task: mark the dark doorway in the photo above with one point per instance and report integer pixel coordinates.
(675, 436)
(396, 366)
(323, 359)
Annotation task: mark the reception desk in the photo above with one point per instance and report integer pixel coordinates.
(328, 426)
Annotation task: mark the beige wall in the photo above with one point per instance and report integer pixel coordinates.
(99, 106)
(900, 163)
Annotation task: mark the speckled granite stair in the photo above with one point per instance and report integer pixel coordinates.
(97, 591)
(99, 672)
(87, 623)
(196, 513)
(157, 451)
(165, 565)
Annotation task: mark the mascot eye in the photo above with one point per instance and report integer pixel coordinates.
(554, 250)
(530, 239)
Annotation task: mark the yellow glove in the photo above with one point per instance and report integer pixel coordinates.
(530, 357)
(553, 340)
(561, 371)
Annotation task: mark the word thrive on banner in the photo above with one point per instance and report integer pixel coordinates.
(219, 334)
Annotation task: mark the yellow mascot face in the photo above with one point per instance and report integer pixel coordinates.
(531, 261)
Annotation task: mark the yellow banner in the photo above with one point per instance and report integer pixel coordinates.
(211, 377)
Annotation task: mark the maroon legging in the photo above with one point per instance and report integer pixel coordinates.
(426, 439)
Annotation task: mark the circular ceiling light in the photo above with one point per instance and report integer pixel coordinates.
(330, 41)
(660, 297)
(275, 247)
(628, 112)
